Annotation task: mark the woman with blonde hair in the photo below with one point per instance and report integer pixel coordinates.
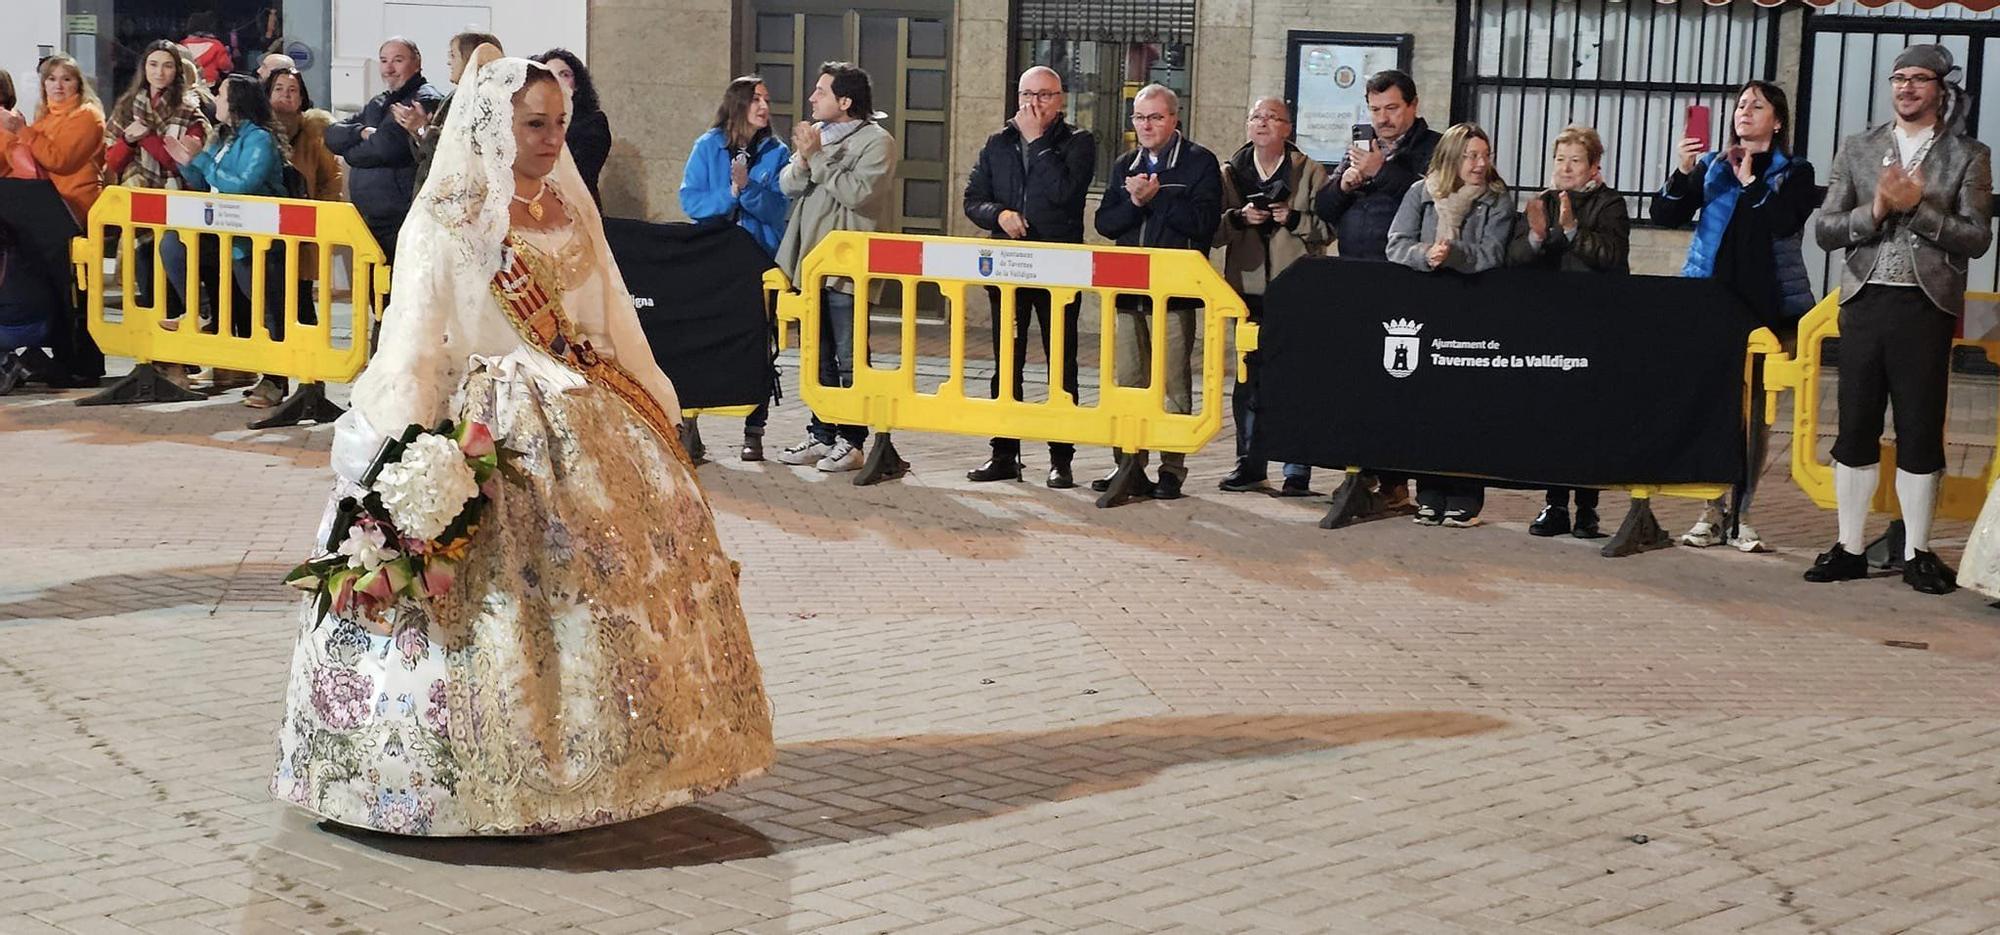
(1459, 217)
(66, 140)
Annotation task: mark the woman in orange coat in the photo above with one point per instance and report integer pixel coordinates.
(67, 137)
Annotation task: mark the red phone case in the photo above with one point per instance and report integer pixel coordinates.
(1698, 126)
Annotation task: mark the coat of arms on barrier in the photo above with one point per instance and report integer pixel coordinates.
(1400, 348)
(985, 262)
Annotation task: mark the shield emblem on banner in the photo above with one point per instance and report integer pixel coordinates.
(208, 213)
(985, 263)
(1400, 347)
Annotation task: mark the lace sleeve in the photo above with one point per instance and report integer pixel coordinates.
(413, 373)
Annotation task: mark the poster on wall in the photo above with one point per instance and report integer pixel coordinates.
(1325, 79)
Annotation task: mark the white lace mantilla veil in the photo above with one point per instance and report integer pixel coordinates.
(441, 310)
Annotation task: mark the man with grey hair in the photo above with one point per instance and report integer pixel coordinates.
(1166, 193)
(382, 180)
(1911, 201)
(1030, 184)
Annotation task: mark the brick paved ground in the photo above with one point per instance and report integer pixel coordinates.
(1001, 709)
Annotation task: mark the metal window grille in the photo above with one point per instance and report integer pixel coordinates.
(1529, 68)
(1106, 50)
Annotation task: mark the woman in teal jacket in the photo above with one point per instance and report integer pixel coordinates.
(732, 178)
(246, 156)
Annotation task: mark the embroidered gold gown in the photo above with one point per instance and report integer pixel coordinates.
(592, 663)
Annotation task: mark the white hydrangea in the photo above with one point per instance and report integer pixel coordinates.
(427, 488)
(367, 548)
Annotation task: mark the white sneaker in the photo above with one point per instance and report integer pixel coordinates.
(843, 456)
(1748, 541)
(1703, 535)
(805, 452)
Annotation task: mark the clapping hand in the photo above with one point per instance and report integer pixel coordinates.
(181, 148)
(1565, 215)
(1897, 191)
(805, 139)
(739, 175)
(1438, 253)
(411, 117)
(1538, 218)
(136, 130)
(11, 121)
(1142, 188)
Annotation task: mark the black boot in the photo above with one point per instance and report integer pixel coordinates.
(1242, 479)
(1586, 525)
(998, 467)
(1554, 521)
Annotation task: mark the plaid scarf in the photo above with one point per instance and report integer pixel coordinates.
(143, 171)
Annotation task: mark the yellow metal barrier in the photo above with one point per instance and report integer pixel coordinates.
(218, 226)
(1959, 496)
(1127, 418)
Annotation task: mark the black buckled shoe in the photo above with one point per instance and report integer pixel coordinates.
(1060, 477)
(1928, 574)
(996, 469)
(1241, 480)
(1586, 525)
(1553, 521)
(1168, 487)
(1103, 484)
(1838, 564)
(753, 447)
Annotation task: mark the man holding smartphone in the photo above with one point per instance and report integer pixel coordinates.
(1390, 153)
(1268, 190)
(1911, 201)
(1030, 184)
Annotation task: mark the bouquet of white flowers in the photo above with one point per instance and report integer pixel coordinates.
(405, 535)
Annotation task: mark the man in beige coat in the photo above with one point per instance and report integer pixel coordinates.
(839, 178)
(1268, 223)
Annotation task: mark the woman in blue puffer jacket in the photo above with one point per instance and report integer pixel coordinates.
(1750, 203)
(247, 156)
(732, 178)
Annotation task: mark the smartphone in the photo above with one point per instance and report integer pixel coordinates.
(1258, 200)
(1699, 126)
(1364, 136)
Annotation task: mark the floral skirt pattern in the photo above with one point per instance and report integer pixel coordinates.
(591, 664)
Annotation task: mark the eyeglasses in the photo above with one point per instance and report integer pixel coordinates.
(1268, 118)
(1904, 81)
(1040, 95)
(1150, 119)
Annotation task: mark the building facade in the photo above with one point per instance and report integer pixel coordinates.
(944, 70)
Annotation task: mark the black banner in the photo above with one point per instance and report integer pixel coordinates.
(700, 297)
(1528, 376)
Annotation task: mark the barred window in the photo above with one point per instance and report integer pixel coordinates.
(1105, 51)
(1629, 69)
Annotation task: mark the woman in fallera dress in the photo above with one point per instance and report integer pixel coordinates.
(591, 663)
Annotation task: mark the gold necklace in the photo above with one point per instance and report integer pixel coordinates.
(535, 204)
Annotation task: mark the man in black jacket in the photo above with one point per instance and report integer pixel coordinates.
(425, 128)
(1370, 182)
(1369, 185)
(1166, 193)
(382, 167)
(1029, 184)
